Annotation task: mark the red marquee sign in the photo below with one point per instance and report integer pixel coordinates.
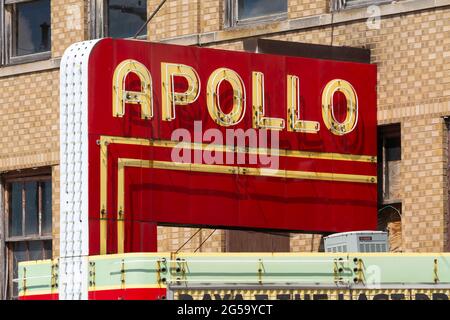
(202, 137)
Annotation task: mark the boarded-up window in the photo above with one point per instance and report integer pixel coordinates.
(389, 184)
(250, 241)
(389, 219)
(389, 163)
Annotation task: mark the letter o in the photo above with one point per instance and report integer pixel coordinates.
(213, 99)
(351, 120)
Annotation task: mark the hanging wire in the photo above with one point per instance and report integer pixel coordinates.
(187, 241)
(207, 238)
(149, 19)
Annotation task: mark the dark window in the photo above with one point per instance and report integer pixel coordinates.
(46, 188)
(30, 208)
(393, 148)
(32, 28)
(16, 210)
(125, 17)
(258, 8)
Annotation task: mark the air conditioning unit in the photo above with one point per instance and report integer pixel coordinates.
(358, 241)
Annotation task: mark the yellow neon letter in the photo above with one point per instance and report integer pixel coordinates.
(294, 124)
(170, 98)
(213, 98)
(259, 121)
(336, 127)
(121, 96)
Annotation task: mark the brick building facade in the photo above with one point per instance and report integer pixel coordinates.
(410, 43)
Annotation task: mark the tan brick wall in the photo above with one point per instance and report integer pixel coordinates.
(176, 18)
(29, 135)
(212, 15)
(305, 242)
(172, 239)
(304, 8)
(425, 184)
(69, 25)
(233, 46)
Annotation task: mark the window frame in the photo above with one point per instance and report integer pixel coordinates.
(7, 201)
(7, 242)
(7, 39)
(385, 133)
(98, 20)
(232, 16)
(339, 5)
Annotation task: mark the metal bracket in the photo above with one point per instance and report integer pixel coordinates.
(122, 275)
(359, 271)
(54, 278)
(435, 271)
(338, 269)
(261, 269)
(92, 274)
(161, 270)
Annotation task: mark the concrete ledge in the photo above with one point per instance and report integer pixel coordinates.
(44, 65)
(344, 16)
(28, 161)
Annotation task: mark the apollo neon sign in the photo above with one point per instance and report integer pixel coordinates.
(123, 101)
(170, 98)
